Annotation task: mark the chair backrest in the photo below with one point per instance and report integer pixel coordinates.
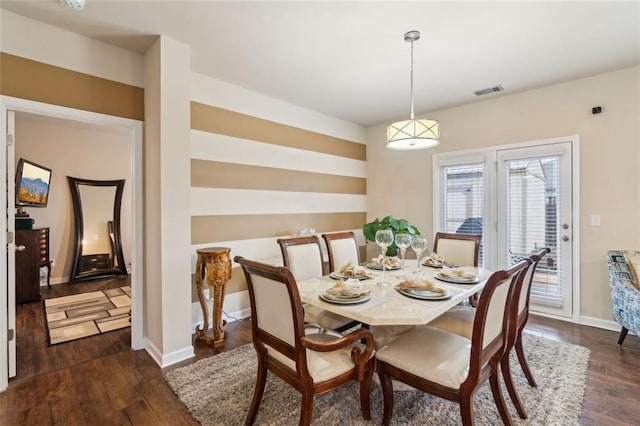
(303, 256)
(458, 249)
(342, 248)
(277, 317)
(525, 294)
(490, 325)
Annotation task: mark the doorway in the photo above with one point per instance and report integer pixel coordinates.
(520, 197)
(133, 129)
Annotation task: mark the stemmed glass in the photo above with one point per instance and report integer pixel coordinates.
(384, 238)
(403, 241)
(419, 245)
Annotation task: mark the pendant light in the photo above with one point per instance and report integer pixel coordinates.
(413, 133)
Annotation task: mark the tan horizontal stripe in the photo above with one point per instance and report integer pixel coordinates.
(214, 174)
(208, 229)
(212, 119)
(36, 81)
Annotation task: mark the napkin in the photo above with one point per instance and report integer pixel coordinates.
(389, 262)
(351, 270)
(415, 282)
(434, 259)
(458, 273)
(348, 288)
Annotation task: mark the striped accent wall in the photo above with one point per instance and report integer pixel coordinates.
(255, 180)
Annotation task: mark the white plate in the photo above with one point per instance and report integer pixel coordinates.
(378, 267)
(424, 294)
(339, 276)
(456, 280)
(430, 265)
(345, 300)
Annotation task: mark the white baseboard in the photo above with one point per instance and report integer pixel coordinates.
(601, 323)
(228, 317)
(168, 359)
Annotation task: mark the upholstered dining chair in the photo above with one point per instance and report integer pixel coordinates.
(460, 250)
(451, 366)
(459, 320)
(303, 257)
(342, 248)
(312, 364)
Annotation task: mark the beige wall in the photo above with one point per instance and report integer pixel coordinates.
(401, 183)
(81, 150)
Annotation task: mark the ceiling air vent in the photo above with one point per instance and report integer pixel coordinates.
(493, 89)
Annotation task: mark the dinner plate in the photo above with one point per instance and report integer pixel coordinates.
(345, 300)
(339, 276)
(424, 294)
(430, 265)
(456, 280)
(378, 267)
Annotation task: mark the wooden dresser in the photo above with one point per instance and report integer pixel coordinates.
(29, 260)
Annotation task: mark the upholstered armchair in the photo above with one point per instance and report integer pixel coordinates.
(624, 267)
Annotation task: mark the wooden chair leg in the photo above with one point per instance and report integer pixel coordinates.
(261, 380)
(365, 390)
(387, 394)
(522, 358)
(499, 398)
(466, 408)
(508, 381)
(306, 409)
(623, 334)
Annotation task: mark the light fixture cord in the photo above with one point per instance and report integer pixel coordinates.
(412, 115)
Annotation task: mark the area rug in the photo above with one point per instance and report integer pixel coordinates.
(86, 314)
(218, 391)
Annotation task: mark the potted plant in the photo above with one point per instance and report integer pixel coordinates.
(389, 222)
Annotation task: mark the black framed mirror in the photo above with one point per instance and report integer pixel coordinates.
(96, 211)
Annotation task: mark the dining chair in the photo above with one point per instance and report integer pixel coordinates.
(459, 320)
(460, 250)
(451, 366)
(342, 248)
(312, 364)
(303, 257)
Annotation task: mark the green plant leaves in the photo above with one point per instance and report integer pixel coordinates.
(389, 222)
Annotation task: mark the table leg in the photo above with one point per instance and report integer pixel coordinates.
(201, 333)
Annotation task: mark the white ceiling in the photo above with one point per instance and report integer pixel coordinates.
(349, 59)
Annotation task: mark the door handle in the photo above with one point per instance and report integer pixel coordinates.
(20, 248)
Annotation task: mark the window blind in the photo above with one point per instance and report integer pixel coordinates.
(533, 191)
(463, 201)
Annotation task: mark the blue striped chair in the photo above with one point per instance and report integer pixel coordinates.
(625, 295)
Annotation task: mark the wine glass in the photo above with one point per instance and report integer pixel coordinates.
(384, 238)
(419, 245)
(403, 240)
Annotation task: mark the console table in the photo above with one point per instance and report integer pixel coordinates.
(32, 253)
(214, 263)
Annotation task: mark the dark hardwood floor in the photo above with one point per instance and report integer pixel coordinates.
(99, 380)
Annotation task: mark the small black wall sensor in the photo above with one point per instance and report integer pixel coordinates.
(596, 110)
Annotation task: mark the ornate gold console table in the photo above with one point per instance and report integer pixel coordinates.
(214, 263)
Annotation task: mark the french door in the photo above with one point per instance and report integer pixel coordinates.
(534, 195)
(521, 199)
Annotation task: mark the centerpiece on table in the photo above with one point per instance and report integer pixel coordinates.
(395, 225)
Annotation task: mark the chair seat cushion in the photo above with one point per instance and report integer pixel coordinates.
(322, 366)
(458, 320)
(430, 353)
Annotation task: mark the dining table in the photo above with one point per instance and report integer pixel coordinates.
(386, 305)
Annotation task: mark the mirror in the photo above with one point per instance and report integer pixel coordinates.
(96, 210)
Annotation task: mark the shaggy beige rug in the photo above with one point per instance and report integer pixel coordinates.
(86, 314)
(218, 391)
